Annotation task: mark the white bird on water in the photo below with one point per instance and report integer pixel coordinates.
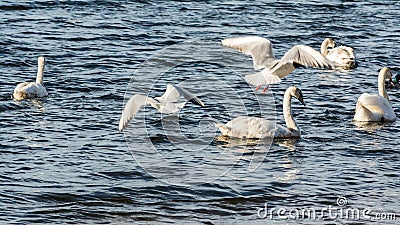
(376, 108)
(261, 51)
(342, 56)
(32, 89)
(164, 104)
(255, 127)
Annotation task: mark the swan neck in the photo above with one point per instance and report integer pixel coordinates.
(381, 85)
(39, 76)
(287, 112)
(324, 47)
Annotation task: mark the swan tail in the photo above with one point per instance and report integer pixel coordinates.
(223, 128)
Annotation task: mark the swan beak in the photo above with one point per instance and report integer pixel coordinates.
(302, 101)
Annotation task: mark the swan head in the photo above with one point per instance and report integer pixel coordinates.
(329, 43)
(297, 93)
(41, 60)
(387, 73)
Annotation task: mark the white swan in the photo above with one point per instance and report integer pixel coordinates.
(342, 56)
(273, 69)
(164, 104)
(32, 89)
(376, 108)
(254, 127)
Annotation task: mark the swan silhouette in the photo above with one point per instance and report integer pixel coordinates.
(255, 127)
(32, 89)
(376, 108)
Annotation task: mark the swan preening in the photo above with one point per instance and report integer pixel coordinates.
(32, 89)
(376, 108)
(262, 53)
(254, 127)
(164, 104)
(342, 56)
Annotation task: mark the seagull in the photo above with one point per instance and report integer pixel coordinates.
(164, 104)
(32, 89)
(273, 69)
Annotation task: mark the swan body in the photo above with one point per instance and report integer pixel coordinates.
(376, 108)
(273, 69)
(342, 56)
(32, 89)
(254, 127)
(164, 104)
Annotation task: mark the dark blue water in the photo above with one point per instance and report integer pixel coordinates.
(63, 160)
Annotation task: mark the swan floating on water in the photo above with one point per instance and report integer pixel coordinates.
(342, 56)
(376, 108)
(261, 51)
(255, 127)
(32, 89)
(164, 104)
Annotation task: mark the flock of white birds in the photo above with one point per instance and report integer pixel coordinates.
(369, 107)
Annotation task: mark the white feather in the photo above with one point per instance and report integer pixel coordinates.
(376, 108)
(263, 57)
(165, 104)
(32, 89)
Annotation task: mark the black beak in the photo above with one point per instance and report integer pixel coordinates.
(302, 100)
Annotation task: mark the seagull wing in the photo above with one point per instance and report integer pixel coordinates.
(259, 48)
(132, 107)
(301, 55)
(170, 95)
(189, 96)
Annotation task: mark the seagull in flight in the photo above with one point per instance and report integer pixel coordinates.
(274, 69)
(164, 104)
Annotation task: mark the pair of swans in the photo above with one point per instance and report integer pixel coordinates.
(369, 108)
(273, 70)
(32, 89)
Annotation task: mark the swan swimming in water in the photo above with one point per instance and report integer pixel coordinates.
(164, 104)
(262, 53)
(376, 108)
(32, 89)
(255, 127)
(342, 56)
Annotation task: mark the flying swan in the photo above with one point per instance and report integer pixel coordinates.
(342, 56)
(32, 89)
(261, 51)
(254, 127)
(376, 108)
(164, 104)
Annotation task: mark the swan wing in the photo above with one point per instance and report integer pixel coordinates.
(301, 55)
(259, 48)
(373, 108)
(248, 127)
(132, 107)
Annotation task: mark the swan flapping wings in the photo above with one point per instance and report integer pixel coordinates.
(261, 51)
(164, 104)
